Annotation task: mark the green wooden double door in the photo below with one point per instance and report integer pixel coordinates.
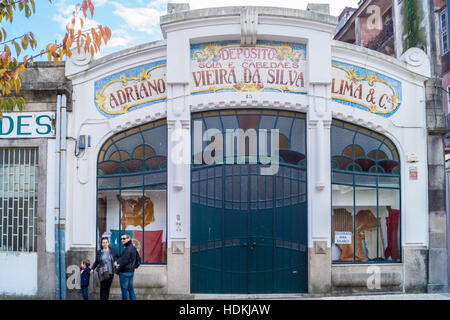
(248, 231)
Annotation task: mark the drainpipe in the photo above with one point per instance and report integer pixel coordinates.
(57, 169)
(62, 196)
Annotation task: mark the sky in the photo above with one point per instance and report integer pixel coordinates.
(132, 22)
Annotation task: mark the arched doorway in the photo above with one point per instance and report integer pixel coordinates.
(132, 190)
(248, 229)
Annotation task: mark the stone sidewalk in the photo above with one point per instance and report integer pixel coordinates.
(435, 296)
(445, 296)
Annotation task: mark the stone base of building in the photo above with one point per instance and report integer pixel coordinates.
(172, 281)
(319, 269)
(416, 269)
(46, 276)
(141, 294)
(150, 281)
(367, 279)
(436, 288)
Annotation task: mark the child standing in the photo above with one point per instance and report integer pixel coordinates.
(84, 278)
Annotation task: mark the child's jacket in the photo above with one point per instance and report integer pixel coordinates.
(84, 276)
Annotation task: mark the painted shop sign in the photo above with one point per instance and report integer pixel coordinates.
(364, 89)
(27, 125)
(232, 67)
(131, 89)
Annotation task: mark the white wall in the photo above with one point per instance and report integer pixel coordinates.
(50, 201)
(18, 274)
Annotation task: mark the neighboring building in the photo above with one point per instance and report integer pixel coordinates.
(443, 28)
(247, 152)
(442, 10)
(27, 181)
(343, 18)
(424, 24)
(371, 25)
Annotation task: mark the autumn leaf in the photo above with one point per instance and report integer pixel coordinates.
(11, 68)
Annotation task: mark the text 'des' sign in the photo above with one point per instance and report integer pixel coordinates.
(27, 125)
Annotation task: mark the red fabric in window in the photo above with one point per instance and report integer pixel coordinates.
(392, 222)
(152, 245)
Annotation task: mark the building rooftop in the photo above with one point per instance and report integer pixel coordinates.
(181, 13)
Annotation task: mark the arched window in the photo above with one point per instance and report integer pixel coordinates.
(365, 196)
(132, 190)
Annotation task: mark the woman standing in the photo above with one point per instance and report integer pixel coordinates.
(104, 260)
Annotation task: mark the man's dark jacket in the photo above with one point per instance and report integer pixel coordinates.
(98, 257)
(128, 258)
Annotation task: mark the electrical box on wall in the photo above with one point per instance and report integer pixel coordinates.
(84, 142)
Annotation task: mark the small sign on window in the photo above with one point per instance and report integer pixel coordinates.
(342, 237)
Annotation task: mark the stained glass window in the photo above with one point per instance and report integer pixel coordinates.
(132, 190)
(365, 196)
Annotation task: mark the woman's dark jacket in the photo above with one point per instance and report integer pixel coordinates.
(98, 257)
(128, 258)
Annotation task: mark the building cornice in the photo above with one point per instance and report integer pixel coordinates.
(181, 18)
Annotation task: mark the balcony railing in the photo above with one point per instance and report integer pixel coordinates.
(380, 40)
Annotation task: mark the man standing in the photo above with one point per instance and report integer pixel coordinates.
(126, 265)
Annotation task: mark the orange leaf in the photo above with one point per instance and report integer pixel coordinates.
(84, 7)
(108, 32)
(88, 42)
(91, 8)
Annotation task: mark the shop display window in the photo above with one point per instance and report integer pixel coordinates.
(365, 196)
(132, 190)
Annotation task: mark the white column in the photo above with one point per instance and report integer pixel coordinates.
(319, 166)
(318, 157)
(178, 167)
(319, 190)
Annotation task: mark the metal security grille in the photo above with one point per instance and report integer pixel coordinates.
(18, 199)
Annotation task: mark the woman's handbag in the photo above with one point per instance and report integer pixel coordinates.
(103, 273)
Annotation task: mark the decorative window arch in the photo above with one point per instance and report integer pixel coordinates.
(365, 167)
(132, 190)
(291, 126)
